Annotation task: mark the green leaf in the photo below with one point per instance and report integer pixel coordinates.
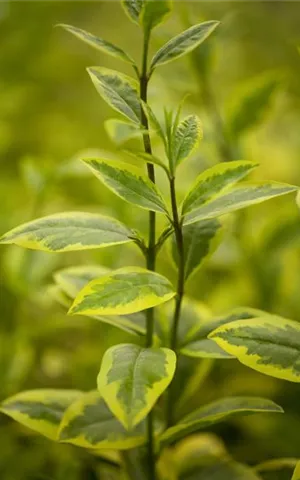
(238, 197)
(296, 474)
(269, 344)
(41, 410)
(199, 346)
(276, 466)
(183, 43)
(98, 43)
(133, 9)
(251, 103)
(213, 182)
(71, 231)
(118, 90)
(200, 240)
(185, 139)
(154, 12)
(127, 290)
(216, 412)
(73, 279)
(132, 378)
(121, 131)
(89, 423)
(128, 182)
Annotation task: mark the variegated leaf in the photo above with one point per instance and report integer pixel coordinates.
(183, 43)
(72, 279)
(127, 290)
(41, 410)
(64, 232)
(118, 90)
(129, 183)
(185, 139)
(89, 423)
(199, 346)
(133, 9)
(213, 182)
(268, 344)
(238, 197)
(216, 412)
(200, 239)
(98, 43)
(132, 378)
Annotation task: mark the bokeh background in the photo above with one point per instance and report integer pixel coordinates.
(244, 84)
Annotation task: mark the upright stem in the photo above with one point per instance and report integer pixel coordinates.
(151, 254)
(180, 290)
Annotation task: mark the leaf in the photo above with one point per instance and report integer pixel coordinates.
(154, 12)
(71, 231)
(213, 182)
(41, 410)
(199, 346)
(89, 423)
(133, 8)
(200, 239)
(216, 412)
(71, 280)
(121, 131)
(128, 183)
(118, 90)
(185, 139)
(251, 103)
(276, 465)
(98, 43)
(268, 344)
(183, 43)
(127, 290)
(296, 474)
(238, 197)
(132, 378)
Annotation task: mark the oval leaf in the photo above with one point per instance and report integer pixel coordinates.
(118, 90)
(183, 43)
(127, 290)
(200, 240)
(216, 412)
(214, 181)
(185, 139)
(238, 197)
(89, 423)
(132, 378)
(270, 345)
(128, 183)
(41, 410)
(98, 43)
(65, 232)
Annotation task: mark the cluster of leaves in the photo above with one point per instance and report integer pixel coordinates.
(132, 376)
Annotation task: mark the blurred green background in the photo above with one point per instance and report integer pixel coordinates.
(50, 114)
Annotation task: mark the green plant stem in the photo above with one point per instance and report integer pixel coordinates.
(180, 291)
(151, 250)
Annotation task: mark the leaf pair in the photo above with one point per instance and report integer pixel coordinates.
(214, 192)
